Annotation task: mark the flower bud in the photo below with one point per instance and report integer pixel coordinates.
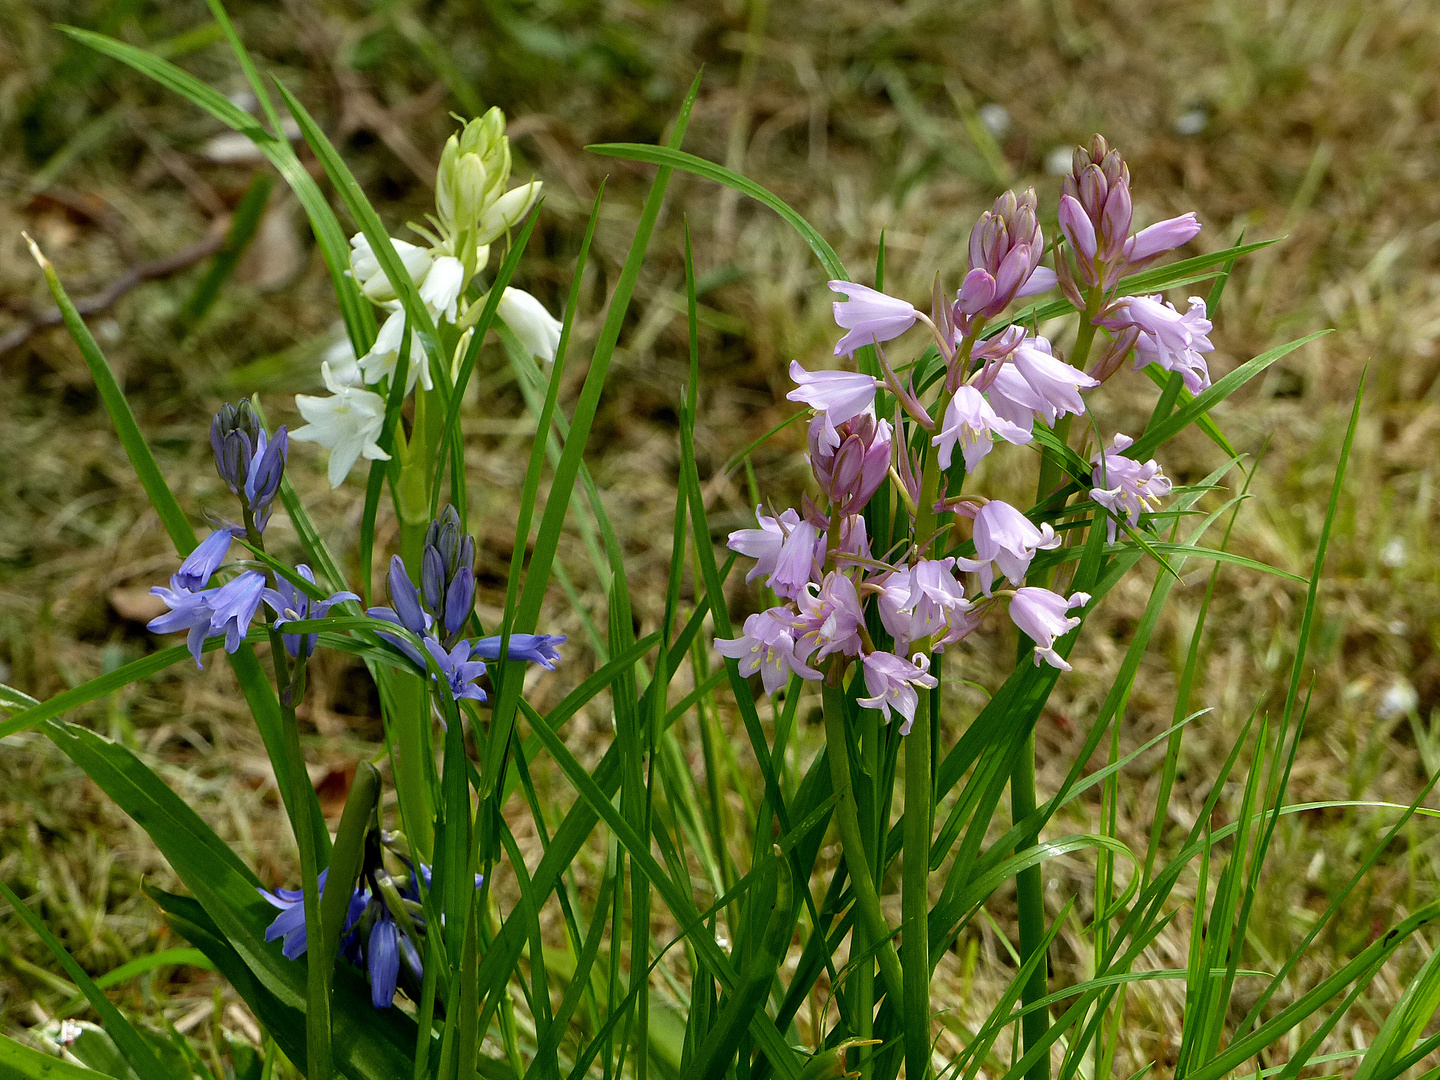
(537, 329)
(854, 470)
(233, 434)
(507, 211)
(1007, 244)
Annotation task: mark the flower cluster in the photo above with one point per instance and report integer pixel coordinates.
(438, 612)
(384, 922)
(472, 210)
(996, 387)
(251, 462)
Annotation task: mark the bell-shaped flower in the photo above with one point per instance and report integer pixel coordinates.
(384, 356)
(1042, 616)
(233, 607)
(830, 618)
(837, 395)
(249, 459)
(971, 422)
(1010, 395)
(925, 601)
(536, 648)
(1187, 358)
(1124, 486)
(853, 471)
(869, 316)
(292, 604)
(507, 211)
(1150, 243)
(537, 329)
(371, 278)
(200, 565)
(785, 549)
(442, 287)
(1006, 537)
(405, 610)
(1054, 382)
(458, 668)
(189, 611)
(767, 645)
(348, 424)
(892, 682)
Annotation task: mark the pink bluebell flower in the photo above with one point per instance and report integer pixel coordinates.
(1008, 539)
(785, 550)
(1054, 382)
(1005, 245)
(1043, 617)
(869, 316)
(1189, 358)
(926, 601)
(767, 645)
(971, 422)
(1124, 486)
(837, 396)
(1164, 236)
(892, 682)
(830, 619)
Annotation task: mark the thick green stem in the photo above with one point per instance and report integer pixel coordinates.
(319, 1060)
(863, 992)
(1030, 892)
(915, 893)
(867, 900)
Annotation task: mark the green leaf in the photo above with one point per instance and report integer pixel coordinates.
(20, 1062)
(671, 158)
(1182, 418)
(135, 1049)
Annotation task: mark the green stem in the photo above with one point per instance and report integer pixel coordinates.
(867, 900)
(1030, 883)
(915, 893)
(414, 752)
(1030, 891)
(864, 985)
(318, 1056)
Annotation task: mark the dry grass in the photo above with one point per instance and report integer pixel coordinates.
(1311, 119)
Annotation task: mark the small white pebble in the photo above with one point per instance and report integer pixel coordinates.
(1393, 553)
(109, 329)
(1192, 122)
(1399, 628)
(1058, 162)
(1399, 699)
(995, 118)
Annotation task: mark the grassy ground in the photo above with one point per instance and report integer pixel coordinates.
(1316, 120)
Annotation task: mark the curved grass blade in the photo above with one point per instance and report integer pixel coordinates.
(671, 158)
(21, 1062)
(135, 1049)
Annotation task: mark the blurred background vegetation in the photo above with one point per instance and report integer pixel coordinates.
(1313, 120)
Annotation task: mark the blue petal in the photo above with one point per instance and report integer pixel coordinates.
(383, 960)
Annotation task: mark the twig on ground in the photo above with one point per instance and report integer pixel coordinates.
(183, 259)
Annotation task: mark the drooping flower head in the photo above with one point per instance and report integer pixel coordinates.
(1124, 486)
(869, 316)
(290, 604)
(1043, 616)
(970, 422)
(1181, 348)
(767, 645)
(830, 618)
(208, 612)
(837, 396)
(785, 550)
(892, 684)
(347, 423)
(1006, 537)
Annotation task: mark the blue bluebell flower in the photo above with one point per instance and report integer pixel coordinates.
(406, 611)
(371, 938)
(536, 648)
(202, 612)
(459, 670)
(249, 459)
(200, 565)
(292, 605)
